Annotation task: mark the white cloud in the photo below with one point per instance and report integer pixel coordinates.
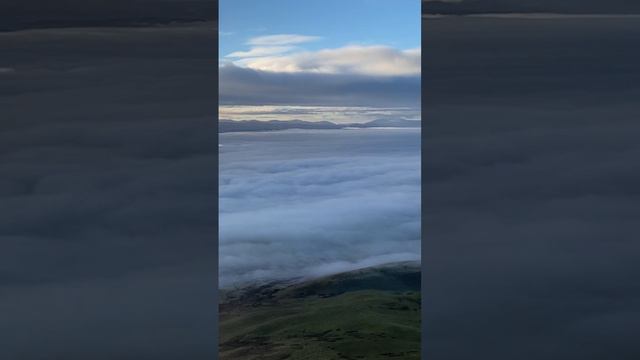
(374, 60)
(274, 53)
(272, 45)
(260, 51)
(281, 39)
(310, 203)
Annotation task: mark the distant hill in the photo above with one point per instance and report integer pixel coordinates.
(371, 313)
(255, 125)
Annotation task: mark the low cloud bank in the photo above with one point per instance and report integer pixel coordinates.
(530, 189)
(312, 202)
(108, 194)
(241, 85)
(465, 7)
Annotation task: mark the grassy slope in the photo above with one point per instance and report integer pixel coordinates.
(368, 314)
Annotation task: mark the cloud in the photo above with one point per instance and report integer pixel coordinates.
(530, 6)
(282, 39)
(350, 76)
(303, 203)
(274, 71)
(260, 51)
(375, 60)
(35, 14)
(245, 86)
(264, 46)
(529, 188)
(360, 60)
(107, 186)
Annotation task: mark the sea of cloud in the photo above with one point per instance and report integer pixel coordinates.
(108, 193)
(530, 187)
(314, 202)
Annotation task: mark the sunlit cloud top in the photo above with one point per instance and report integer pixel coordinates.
(376, 60)
(272, 44)
(280, 53)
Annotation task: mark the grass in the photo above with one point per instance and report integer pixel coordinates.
(331, 318)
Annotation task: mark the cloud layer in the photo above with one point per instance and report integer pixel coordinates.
(27, 14)
(107, 190)
(276, 71)
(244, 86)
(530, 188)
(463, 7)
(312, 202)
(358, 60)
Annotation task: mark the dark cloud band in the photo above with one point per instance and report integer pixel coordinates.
(530, 188)
(465, 7)
(242, 86)
(30, 14)
(107, 188)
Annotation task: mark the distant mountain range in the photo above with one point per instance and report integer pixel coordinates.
(255, 125)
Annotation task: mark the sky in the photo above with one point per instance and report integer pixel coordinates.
(282, 53)
(351, 22)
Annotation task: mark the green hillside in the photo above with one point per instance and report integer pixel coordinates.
(368, 314)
